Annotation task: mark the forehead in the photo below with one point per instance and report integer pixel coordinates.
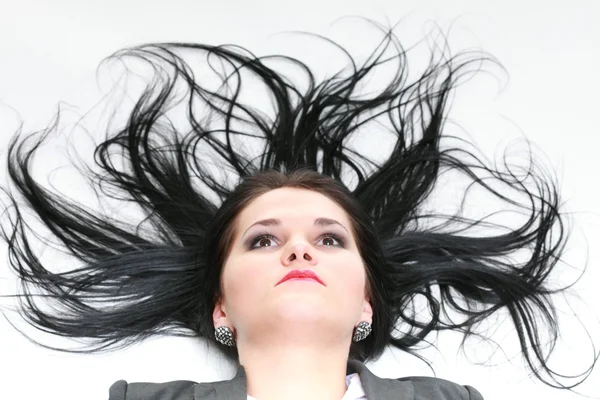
(291, 203)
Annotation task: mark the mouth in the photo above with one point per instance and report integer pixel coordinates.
(306, 275)
(301, 279)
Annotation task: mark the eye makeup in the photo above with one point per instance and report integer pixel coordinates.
(251, 242)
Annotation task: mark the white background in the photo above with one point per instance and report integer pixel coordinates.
(551, 50)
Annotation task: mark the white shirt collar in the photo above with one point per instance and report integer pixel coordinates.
(354, 389)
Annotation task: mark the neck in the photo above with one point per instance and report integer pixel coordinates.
(298, 373)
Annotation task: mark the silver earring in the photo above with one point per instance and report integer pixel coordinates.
(362, 330)
(224, 335)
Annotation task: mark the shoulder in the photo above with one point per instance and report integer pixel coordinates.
(429, 388)
(423, 388)
(174, 390)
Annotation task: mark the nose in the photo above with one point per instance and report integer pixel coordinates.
(306, 256)
(298, 251)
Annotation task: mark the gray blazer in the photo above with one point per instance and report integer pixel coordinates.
(376, 388)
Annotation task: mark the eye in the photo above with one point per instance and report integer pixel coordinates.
(266, 238)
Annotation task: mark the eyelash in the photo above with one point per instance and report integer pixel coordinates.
(261, 236)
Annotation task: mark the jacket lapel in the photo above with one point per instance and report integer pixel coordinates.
(376, 388)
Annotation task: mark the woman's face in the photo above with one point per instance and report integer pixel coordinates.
(256, 264)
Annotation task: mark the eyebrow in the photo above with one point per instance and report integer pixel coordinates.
(276, 222)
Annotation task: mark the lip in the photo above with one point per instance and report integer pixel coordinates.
(301, 274)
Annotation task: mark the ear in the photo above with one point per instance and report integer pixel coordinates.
(220, 315)
(367, 312)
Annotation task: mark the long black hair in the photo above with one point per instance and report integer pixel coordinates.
(140, 280)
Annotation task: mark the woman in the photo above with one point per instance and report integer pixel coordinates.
(213, 260)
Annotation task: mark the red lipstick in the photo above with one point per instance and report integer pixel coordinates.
(302, 274)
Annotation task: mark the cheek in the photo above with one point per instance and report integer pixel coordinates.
(241, 283)
(352, 273)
